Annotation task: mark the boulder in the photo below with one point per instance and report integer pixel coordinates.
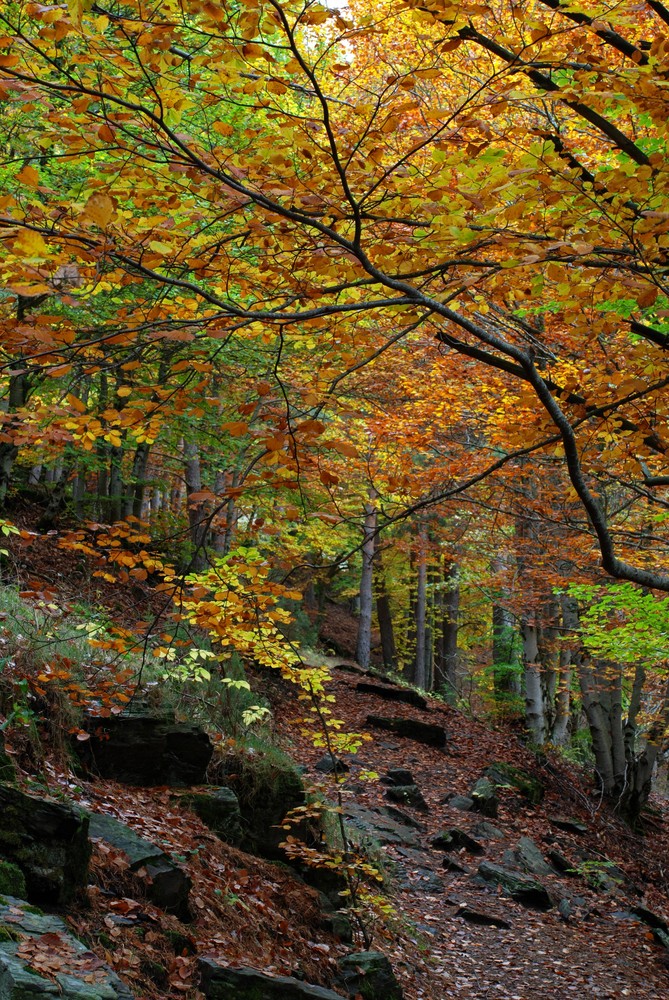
(411, 729)
(146, 750)
(527, 891)
(407, 795)
(455, 840)
(48, 842)
(569, 824)
(561, 864)
(220, 982)
(412, 871)
(169, 885)
(397, 776)
(378, 826)
(462, 802)
(454, 867)
(486, 831)
(218, 809)
(330, 764)
(530, 858)
(530, 787)
(482, 918)
(402, 817)
(75, 973)
(368, 974)
(268, 787)
(484, 797)
(405, 695)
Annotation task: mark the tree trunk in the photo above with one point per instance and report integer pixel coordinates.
(385, 618)
(446, 680)
(364, 643)
(420, 665)
(198, 518)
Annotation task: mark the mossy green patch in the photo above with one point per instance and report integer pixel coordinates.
(11, 880)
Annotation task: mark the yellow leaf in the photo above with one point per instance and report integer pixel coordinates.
(124, 390)
(30, 244)
(222, 128)
(159, 247)
(99, 209)
(28, 176)
(76, 403)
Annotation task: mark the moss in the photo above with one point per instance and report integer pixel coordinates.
(11, 880)
(9, 934)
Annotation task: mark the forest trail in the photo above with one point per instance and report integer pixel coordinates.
(596, 952)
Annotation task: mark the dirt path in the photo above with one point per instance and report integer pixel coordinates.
(596, 952)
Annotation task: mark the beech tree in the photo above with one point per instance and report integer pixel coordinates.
(437, 226)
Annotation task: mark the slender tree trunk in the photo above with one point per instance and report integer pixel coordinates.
(420, 666)
(115, 484)
(197, 510)
(535, 714)
(446, 673)
(364, 643)
(384, 615)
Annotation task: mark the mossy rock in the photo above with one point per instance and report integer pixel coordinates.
(218, 809)
(48, 841)
(224, 983)
(524, 782)
(267, 786)
(369, 974)
(12, 881)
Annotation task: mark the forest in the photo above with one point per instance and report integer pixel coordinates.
(339, 332)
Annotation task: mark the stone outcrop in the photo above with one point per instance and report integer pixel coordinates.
(411, 729)
(48, 842)
(169, 885)
(75, 974)
(146, 750)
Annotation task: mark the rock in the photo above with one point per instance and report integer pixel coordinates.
(268, 787)
(486, 831)
(481, 917)
(405, 695)
(146, 750)
(12, 882)
(524, 782)
(454, 867)
(397, 776)
(220, 982)
(48, 841)
(219, 810)
(564, 909)
(561, 864)
(462, 802)
(379, 826)
(527, 891)
(368, 974)
(407, 795)
(405, 818)
(412, 729)
(331, 765)
(650, 918)
(169, 885)
(455, 840)
(530, 858)
(412, 872)
(82, 976)
(334, 919)
(485, 799)
(568, 823)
